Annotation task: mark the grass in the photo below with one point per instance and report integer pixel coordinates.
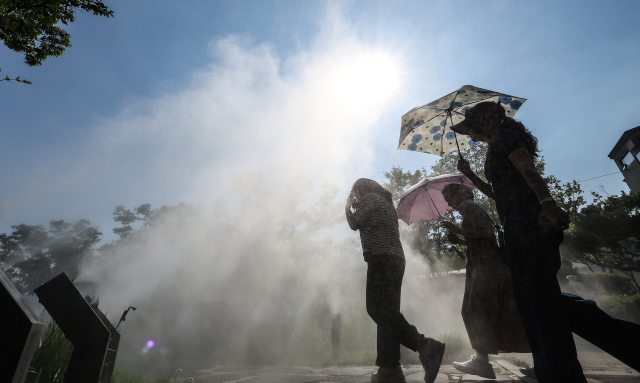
(456, 346)
(52, 355)
(123, 376)
(517, 362)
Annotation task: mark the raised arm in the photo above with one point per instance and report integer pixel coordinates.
(347, 211)
(480, 225)
(551, 213)
(465, 168)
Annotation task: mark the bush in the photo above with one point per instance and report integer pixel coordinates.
(607, 283)
(607, 302)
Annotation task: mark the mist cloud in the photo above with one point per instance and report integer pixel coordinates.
(261, 148)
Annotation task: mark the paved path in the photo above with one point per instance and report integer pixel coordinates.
(599, 368)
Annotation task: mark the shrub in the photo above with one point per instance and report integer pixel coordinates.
(607, 302)
(607, 283)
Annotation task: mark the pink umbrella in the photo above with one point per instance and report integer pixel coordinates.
(424, 200)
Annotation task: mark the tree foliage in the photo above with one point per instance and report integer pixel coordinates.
(427, 238)
(36, 255)
(606, 233)
(32, 26)
(17, 79)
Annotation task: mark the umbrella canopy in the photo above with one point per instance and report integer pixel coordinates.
(424, 200)
(427, 128)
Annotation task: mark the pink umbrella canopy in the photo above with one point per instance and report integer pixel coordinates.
(424, 200)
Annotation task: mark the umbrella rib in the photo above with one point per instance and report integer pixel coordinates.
(432, 203)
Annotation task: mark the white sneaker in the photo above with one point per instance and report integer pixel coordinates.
(388, 375)
(475, 366)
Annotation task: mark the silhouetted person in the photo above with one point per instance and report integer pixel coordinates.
(489, 311)
(489, 308)
(533, 225)
(376, 219)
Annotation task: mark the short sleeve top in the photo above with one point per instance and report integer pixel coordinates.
(377, 221)
(511, 191)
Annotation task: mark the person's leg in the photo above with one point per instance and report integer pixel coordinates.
(533, 267)
(617, 337)
(407, 334)
(383, 306)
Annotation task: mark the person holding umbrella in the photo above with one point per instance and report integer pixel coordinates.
(533, 225)
(489, 309)
(376, 219)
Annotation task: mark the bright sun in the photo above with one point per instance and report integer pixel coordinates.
(368, 79)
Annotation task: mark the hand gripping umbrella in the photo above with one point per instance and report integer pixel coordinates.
(427, 128)
(424, 200)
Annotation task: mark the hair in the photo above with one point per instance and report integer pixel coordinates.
(364, 186)
(490, 116)
(463, 191)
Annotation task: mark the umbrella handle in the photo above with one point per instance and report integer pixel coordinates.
(455, 135)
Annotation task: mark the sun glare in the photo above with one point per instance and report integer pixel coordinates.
(369, 79)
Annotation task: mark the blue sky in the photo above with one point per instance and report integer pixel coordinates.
(170, 101)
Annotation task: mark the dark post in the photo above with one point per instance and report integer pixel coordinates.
(95, 340)
(336, 334)
(19, 332)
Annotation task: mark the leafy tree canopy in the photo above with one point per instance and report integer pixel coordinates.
(606, 233)
(32, 26)
(427, 238)
(36, 255)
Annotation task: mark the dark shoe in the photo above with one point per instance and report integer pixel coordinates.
(475, 366)
(388, 375)
(430, 354)
(528, 372)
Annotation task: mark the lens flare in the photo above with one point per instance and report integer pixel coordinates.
(150, 343)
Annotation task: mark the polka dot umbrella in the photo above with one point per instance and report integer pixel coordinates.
(427, 128)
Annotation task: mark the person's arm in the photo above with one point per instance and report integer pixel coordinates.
(347, 210)
(365, 209)
(480, 225)
(521, 160)
(455, 240)
(465, 168)
(348, 213)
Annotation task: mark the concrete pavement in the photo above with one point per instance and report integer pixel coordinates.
(599, 368)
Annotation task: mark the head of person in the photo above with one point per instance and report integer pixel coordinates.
(483, 120)
(454, 194)
(364, 186)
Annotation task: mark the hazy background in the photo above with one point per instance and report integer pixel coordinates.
(249, 112)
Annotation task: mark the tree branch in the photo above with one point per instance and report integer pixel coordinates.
(6, 78)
